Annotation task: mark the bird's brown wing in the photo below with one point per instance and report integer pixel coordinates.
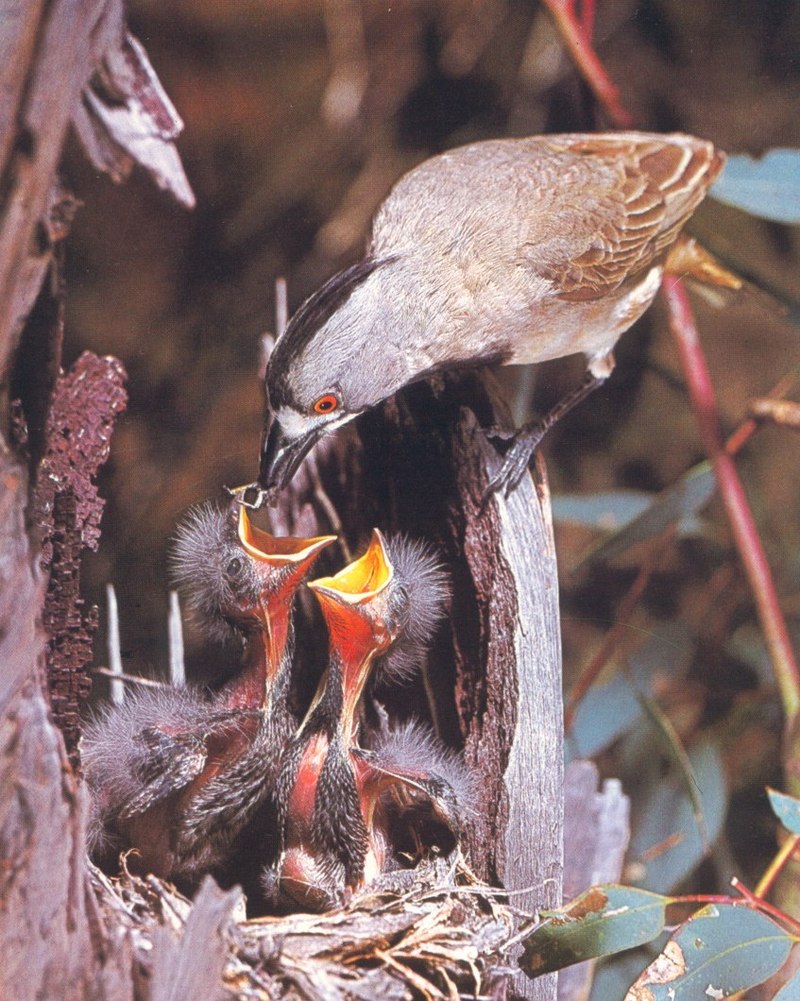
(620, 213)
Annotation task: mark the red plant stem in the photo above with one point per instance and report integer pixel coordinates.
(777, 865)
(574, 34)
(749, 900)
(745, 533)
(764, 905)
(587, 20)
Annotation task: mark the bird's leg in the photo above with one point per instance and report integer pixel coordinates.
(526, 440)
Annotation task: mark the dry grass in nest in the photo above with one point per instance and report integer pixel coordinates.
(435, 932)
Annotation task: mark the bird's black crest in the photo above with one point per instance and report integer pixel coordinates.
(309, 318)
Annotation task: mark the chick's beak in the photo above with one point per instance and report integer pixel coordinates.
(281, 455)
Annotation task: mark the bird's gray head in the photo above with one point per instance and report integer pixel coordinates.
(341, 353)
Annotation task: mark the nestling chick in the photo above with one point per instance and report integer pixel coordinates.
(510, 251)
(423, 788)
(380, 612)
(177, 774)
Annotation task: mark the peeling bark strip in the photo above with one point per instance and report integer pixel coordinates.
(67, 510)
(125, 118)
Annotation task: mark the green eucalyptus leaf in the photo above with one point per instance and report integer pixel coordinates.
(666, 836)
(721, 949)
(607, 510)
(603, 920)
(786, 809)
(610, 708)
(768, 187)
(677, 503)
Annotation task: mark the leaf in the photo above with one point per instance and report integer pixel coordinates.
(603, 920)
(677, 755)
(609, 509)
(614, 974)
(605, 712)
(786, 809)
(609, 709)
(722, 949)
(768, 187)
(679, 502)
(790, 990)
(666, 837)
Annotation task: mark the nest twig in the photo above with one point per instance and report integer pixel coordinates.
(435, 932)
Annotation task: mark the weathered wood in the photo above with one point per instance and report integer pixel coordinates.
(596, 836)
(50, 947)
(190, 967)
(43, 91)
(54, 939)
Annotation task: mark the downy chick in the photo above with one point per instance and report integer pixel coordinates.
(380, 610)
(175, 773)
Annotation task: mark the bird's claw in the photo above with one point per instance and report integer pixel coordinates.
(515, 464)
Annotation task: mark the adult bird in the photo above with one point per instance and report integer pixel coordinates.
(335, 798)
(508, 251)
(177, 774)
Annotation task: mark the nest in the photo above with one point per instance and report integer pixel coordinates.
(433, 932)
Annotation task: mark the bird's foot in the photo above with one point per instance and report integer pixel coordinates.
(515, 462)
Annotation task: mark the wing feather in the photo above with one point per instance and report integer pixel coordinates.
(625, 209)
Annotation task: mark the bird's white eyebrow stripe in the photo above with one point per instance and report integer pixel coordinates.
(297, 425)
(293, 423)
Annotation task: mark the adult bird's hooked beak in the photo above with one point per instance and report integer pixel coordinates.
(281, 455)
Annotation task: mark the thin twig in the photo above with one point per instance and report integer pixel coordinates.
(740, 517)
(129, 679)
(281, 306)
(575, 37)
(347, 84)
(116, 688)
(750, 425)
(177, 668)
(775, 867)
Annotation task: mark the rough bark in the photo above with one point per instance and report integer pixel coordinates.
(53, 940)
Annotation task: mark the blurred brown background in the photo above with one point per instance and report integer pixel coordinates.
(299, 116)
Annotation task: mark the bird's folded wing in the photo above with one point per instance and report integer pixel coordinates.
(617, 216)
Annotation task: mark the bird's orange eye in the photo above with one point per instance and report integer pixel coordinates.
(326, 404)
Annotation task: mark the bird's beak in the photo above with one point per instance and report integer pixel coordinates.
(362, 580)
(353, 604)
(285, 561)
(281, 455)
